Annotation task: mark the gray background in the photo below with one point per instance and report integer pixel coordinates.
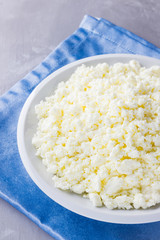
(30, 30)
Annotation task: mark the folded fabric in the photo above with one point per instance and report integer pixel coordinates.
(92, 38)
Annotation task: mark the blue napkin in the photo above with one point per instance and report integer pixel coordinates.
(93, 37)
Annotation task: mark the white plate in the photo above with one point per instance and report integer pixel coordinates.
(27, 127)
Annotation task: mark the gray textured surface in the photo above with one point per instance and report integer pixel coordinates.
(30, 30)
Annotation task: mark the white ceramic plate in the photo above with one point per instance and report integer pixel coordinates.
(27, 127)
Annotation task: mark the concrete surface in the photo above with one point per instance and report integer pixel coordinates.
(30, 30)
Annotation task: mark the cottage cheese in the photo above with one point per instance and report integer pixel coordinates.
(99, 134)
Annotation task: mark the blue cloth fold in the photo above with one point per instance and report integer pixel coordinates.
(93, 37)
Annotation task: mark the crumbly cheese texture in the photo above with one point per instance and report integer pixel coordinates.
(99, 134)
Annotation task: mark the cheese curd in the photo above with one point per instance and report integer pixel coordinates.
(99, 134)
